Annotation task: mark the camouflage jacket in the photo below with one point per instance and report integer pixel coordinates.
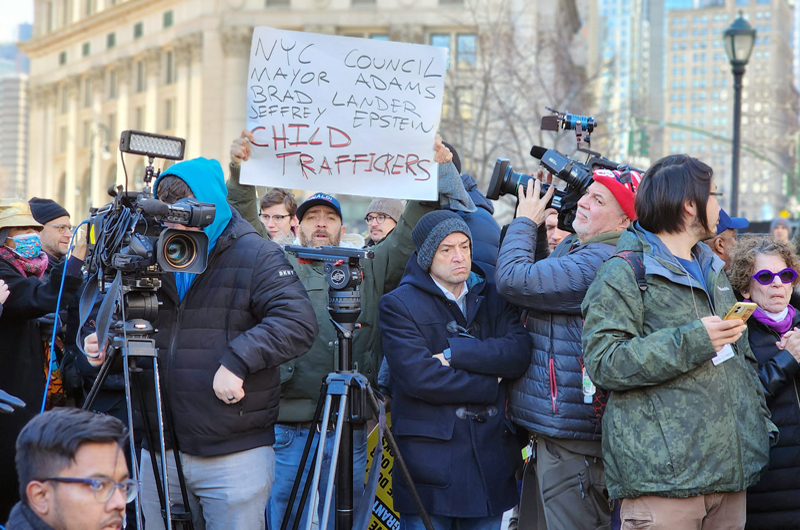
(675, 424)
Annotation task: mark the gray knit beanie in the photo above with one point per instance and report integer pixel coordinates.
(391, 207)
(431, 231)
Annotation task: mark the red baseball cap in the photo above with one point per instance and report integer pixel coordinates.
(622, 185)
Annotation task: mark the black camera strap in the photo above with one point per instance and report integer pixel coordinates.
(88, 299)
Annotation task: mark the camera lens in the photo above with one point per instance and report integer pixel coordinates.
(180, 251)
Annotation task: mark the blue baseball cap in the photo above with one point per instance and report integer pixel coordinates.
(318, 199)
(727, 222)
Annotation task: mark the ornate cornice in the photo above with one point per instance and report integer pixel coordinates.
(236, 40)
(152, 61)
(123, 68)
(188, 49)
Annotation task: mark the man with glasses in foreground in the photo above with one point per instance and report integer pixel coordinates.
(57, 230)
(72, 472)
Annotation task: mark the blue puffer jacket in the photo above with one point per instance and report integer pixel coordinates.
(548, 399)
(449, 420)
(484, 228)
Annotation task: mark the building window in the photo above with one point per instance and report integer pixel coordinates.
(89, 6)
(65, 12)
(64, 99)
(363, 2)
(170, 70)
(87, 93)
(86, 49)
(465, 51)
(112, 84)
(62, 58)
(277, 3)
(62, 139)
(168, 19)
(379, 36)
(138, 30)
(140, 79)
(168, 118)
(464, 95)
(111, 40)
(139, 119)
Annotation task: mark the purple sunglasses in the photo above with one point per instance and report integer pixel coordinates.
(765, 277)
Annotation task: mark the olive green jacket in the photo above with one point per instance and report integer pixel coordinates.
(301, 378)
(675, 424)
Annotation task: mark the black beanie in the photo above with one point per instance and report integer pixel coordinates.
(431, 231)
(45, 210)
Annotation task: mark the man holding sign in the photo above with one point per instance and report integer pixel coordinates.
(321, 224)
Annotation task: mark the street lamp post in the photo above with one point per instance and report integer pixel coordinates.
(739, 39)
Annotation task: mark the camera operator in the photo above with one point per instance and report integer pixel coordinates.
(23, 364)
(548, 400)
(221, 337)
(321, 224)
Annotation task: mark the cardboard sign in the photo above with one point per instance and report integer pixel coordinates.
(343, 115)
(384, 517)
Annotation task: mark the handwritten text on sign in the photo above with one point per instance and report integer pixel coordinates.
(343, 115)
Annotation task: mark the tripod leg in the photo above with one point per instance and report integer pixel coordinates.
(401, 464)
(164, 467)
(318, 469)
(306, 490)
(102, 375)
(134, 460)
(301, 468)
(340, 426)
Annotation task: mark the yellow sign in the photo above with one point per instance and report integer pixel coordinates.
(383, 515)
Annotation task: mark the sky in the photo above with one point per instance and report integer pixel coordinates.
(14, 12)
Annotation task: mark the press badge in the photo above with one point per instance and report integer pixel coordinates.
(723, 355)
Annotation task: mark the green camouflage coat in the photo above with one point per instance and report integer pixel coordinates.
(675, 424)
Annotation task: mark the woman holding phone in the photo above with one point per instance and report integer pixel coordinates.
(764, 271)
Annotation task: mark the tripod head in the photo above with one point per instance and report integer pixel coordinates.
(344, 276)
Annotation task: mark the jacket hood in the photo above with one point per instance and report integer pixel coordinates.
(207, 182)
(415, 276)
(478, 198)
(659, 260)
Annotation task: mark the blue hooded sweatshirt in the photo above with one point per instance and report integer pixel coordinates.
(207, 182)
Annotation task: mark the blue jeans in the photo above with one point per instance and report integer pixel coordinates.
(226, 492)
(289, 443)
(410, 521)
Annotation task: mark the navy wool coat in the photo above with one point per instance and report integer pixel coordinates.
(450, 421)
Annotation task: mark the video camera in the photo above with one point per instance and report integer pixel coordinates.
(577, 175)
(130, 233)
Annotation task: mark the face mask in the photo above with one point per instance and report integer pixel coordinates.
(29, 246)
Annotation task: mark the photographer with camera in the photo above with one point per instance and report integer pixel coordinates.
(551, 400)
(221, 337)
(24, 365)
(321, 224)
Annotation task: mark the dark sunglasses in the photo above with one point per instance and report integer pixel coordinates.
(765, 277)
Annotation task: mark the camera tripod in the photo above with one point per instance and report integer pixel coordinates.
(132, 342)
(352, 392)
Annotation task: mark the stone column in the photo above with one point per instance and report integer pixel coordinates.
(123, 67)
(72, 83)
(48, 176)
(152, 68)
(236, 48)
(97, 78)
(183, 50)
(189, 115)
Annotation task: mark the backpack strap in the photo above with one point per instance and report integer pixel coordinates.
(634, 259)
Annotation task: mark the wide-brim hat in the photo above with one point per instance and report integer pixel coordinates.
(16, 213)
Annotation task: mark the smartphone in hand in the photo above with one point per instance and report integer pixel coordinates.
(742, 310)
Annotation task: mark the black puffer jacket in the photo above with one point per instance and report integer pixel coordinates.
(22, 359)
(247, 311)
(548, 399)
(774, 503)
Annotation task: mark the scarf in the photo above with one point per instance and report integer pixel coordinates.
(27, 267)
(781, 327)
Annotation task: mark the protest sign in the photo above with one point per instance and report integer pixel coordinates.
(343, 115)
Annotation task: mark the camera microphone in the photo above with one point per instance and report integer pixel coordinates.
(154, 207)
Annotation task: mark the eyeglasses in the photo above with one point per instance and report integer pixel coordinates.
(715, 193)
(765, 277)
(276, 218)
(373, 218)
(103, 488)
(62, 229)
